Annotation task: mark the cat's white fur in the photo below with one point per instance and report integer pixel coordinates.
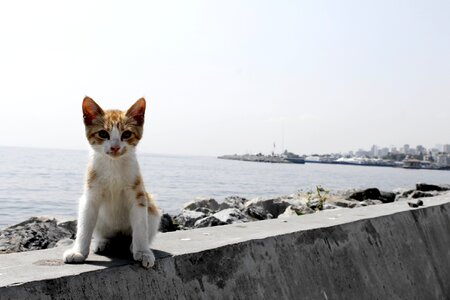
(108, 206)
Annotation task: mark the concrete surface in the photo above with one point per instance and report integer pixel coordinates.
(388, 251)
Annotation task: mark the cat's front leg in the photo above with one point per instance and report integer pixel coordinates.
(140, 244)
(87, 218)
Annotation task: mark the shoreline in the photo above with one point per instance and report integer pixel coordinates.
(375, 165)
(283, 160)
(44, 232)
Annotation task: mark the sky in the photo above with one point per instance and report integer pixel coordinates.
(224, 77)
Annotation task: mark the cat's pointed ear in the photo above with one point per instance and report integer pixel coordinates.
(137, 111)
(91, 111)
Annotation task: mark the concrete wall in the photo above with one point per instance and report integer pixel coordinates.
(387, 251)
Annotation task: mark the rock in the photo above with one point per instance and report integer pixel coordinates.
(416, 203)
(420, 194)
(344, 203)
(208, 222)
(269, 208)
(258, 213)
(233, 202)
(406, 194)
(231, 215)
(187, 218)
(167, 224)
(413, 204)
(292, 210)
(204, 210)
(372, 193)
(424, 187)
(387, 197)
(70, 226)
(34, 234)
(209, 203)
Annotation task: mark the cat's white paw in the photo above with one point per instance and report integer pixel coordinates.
(146, 258)
(100, 246)
(72, 256)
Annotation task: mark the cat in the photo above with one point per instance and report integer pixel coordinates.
(114, 200)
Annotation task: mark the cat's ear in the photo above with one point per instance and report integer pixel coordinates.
(137, 111)
(91, 110)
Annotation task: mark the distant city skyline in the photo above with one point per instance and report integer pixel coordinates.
(224, 77)
(409, 149)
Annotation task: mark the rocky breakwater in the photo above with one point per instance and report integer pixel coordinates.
(36, 233)
(205, 212)
(41, 233)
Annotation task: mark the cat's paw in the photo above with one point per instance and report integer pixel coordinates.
(100, 246)
(72, 256)
(146, 258)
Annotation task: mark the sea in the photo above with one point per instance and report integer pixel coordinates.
(49, 182)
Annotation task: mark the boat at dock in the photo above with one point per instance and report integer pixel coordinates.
(284, 158)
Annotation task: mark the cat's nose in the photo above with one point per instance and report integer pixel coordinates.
(115, 148)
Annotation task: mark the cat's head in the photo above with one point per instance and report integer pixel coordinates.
(113, 132)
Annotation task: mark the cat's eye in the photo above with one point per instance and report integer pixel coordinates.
(103, 134)
(126, 135)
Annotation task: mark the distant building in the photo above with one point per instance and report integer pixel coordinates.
(421, 150)
(405, 149)
(383, 152)
(374, 151)
(443, 160)
(363, 153)
(446, 148)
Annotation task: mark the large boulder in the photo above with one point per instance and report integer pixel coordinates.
(208, 222)
(269, 208)
(223, 217)
(233, 202)
(34, 234)
(258, 213)
(425, 187)
(387, 197)
(420, 194)
(200, 204)
(361, 195)
(167, 224)
(187, 218)
(372, 194)
(231, 215)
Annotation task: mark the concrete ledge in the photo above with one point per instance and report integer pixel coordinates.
(386, 251)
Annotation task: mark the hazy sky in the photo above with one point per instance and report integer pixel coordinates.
(226, 77)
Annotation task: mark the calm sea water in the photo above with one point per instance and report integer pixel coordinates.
(49, 182)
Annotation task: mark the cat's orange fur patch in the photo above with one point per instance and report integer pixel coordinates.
(137, 183)
(146, 200)
(91, 176)
(152, 208)
(141, 198)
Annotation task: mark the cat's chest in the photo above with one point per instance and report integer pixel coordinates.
(113, 181)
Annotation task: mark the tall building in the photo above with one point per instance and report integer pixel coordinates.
(446, 148)
(421, 149)
(442, 160)
(374, 151)
(383, 152)
(394, 150)
(405, 149)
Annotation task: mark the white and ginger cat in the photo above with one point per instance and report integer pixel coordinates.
(114, 200)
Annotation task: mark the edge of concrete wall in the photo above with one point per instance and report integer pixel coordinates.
(387, 251)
